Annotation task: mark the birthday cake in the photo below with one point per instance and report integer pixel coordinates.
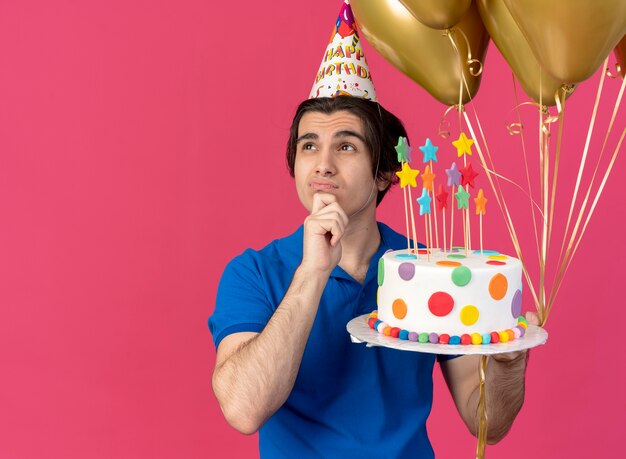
(452, 297)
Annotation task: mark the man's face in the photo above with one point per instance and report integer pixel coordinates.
(332, 157)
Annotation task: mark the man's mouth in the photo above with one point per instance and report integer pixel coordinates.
(322, 186)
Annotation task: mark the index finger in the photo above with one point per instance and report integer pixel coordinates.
(321, 200)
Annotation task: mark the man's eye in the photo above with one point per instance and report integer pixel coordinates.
(308, 146)
(348, 147)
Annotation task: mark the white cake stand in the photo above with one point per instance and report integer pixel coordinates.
(360, 332)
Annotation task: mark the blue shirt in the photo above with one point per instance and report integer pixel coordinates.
(348, 400)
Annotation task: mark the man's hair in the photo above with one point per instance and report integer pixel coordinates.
(382, 130)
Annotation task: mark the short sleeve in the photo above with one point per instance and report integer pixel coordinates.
(242, 303)
(444, 357)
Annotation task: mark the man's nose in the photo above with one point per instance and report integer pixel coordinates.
(326, 165)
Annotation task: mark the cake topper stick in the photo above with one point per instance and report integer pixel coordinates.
(464, 147)
(467, 180)
(480, 225)
(406, 217)
(453, 180)
(427, 242)
(480, 202)
(415, 247)
(452, 219)
(424, 201)
(407, 179)
(442, 203)
(462, 197)
(430, 232)
(430, 155)
(468, 246)
(465, 221)
(443, 216)
(436, 228)
(465, 230)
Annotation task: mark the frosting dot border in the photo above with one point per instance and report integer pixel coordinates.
(466, 339)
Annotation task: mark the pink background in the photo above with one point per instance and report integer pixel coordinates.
(141, 148)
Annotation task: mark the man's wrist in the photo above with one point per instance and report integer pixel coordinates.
(511, 360)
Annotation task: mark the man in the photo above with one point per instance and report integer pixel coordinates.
(285, 365)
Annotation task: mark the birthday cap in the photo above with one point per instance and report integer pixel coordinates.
(344, 70)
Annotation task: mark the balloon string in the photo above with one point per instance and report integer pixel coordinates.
(575, 238)
(500, 199)
(532, 201)
(595, 201)
(581, 167)
(444, 124)
(561, 274)
(525, 155)
(469, 61)
(482, 410)
(561, 111)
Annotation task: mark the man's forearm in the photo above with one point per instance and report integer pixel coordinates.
(504, 383)
(256, 379)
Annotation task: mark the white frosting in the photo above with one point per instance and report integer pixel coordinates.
(429, 278)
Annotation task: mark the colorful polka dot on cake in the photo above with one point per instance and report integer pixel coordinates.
(448, 263)
(469, 314)
(516, 304)
(399, 309)
(486, 252)
(498, 286)
(406, 271)
(461, 276)
(495, 263)
(440, 304)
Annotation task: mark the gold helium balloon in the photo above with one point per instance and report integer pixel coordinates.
(424, 54)
(507, 36)
(438, 14)
(570, 38)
